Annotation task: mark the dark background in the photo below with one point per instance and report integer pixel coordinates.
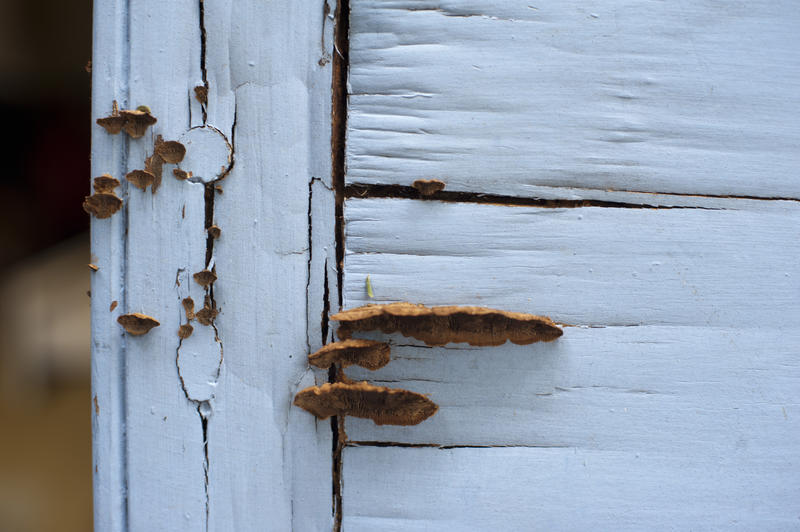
(45, 439)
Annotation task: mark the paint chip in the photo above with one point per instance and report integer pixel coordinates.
(365, 353)
(140, 178)
(428, 187)
(205, 277)
(185, 331)
(384, 406)
(137, 324)
(214, 231)
(476, 326)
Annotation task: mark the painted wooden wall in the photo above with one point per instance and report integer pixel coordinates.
(626, 168)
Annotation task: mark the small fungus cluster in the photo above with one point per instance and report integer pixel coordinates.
(435, 326)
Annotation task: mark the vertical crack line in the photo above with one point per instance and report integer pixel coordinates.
(339, 125)
(202, 11)
(326, 306)
(208, 196)
(339, 99)
(310, 257)
(204, 411)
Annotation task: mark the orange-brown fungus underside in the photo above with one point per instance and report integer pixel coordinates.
(477, 326)
(365, 353)
(384, 406)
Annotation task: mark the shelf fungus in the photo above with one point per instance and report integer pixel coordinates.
(384, 406)
(137, 324)
(205, 277)
(134, 122)
(170, 151)
(104, 202)
(477, 326)
(428, 187)
(368, 354)
(141, 179)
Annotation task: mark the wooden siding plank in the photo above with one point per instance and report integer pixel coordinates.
(509, 98)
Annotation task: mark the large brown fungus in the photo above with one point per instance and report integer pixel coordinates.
(428, 187)
(384, 406)
(477, 326)
(365, 353)
(104, 202)
(133, 121)
(137, 324)
(140, 178)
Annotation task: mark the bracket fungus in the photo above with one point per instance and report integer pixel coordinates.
(137, 324)
(104, 202)
(428, 187)
(384, 406)
(133, 121)
(141, 179)
(476, 326)
(368, 354)
(207, 314)
(205, 277)
(170, 151)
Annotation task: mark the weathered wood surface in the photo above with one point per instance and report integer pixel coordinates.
(569, 99)
(198, 434)
(671, 400)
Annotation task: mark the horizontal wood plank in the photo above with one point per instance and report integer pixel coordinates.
(673, 399)
(569, 99)
(523, 489)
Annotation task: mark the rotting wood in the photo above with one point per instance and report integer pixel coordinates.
(384, 406)
(368, 354)
(428, 187)
(435, 326)
(137, 323)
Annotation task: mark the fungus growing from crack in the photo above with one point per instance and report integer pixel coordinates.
(207, 314)
(137, 324)
(205, 277)
(365, 353)
(140, 178)
(428, 187)
(185, 331)
(112, 306)
(201, 93)
(136, 121)
(182, 175)
(214, 231)
(93, 267)
(477, 326)
(170, 151)
(384, 406)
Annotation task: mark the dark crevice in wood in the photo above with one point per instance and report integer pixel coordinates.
(360, 191)
(326, 306)
(203, 68)
(340, 67)
(447, 447)
(209, 195)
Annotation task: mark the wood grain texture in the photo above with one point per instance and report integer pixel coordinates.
(197, 434)
(569, 99)
(671, 400)
(562, 489)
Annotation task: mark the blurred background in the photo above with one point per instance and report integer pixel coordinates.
(45, 425)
